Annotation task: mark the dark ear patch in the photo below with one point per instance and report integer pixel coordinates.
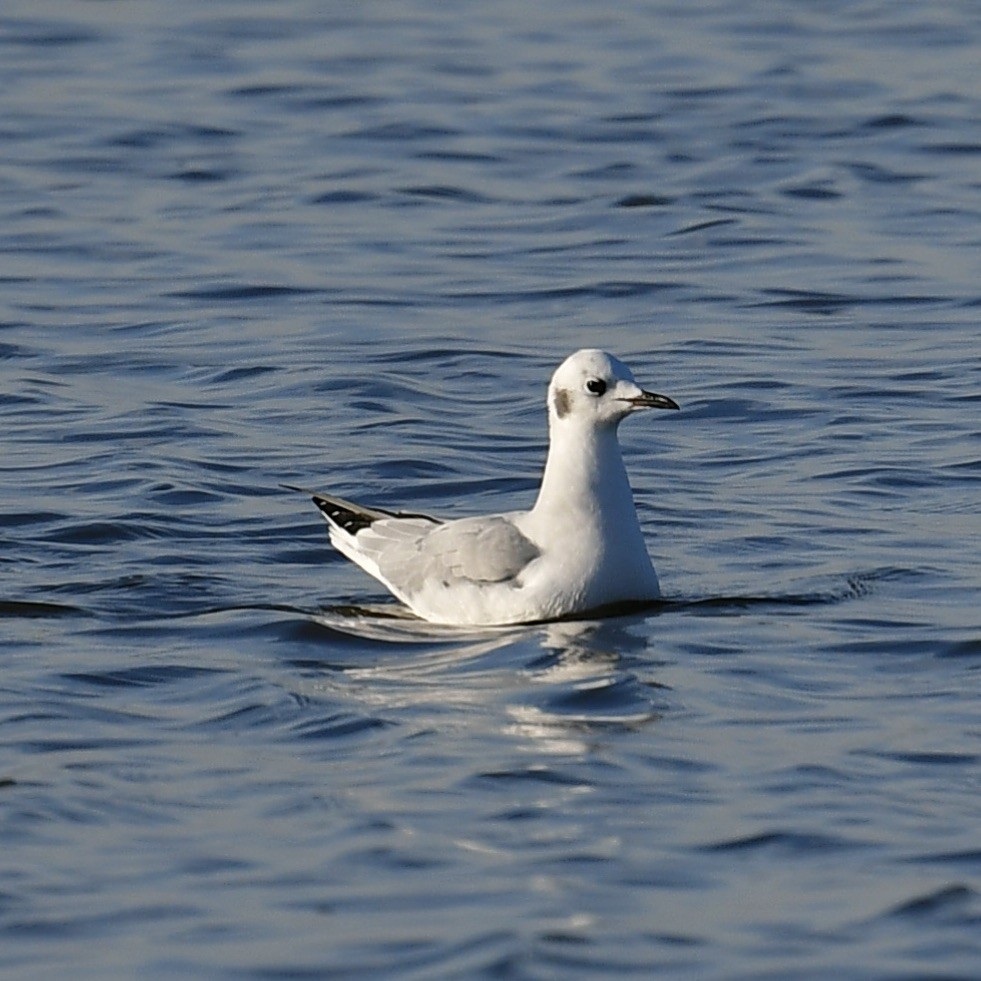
(562, 403)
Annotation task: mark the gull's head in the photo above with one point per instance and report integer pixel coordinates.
(594, 388)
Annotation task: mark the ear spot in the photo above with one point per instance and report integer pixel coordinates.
(562, 403)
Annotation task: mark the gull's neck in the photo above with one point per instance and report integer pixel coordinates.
(585, 480)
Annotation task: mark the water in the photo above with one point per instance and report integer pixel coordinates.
(344, 246)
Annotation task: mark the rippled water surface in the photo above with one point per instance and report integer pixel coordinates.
(343, 246)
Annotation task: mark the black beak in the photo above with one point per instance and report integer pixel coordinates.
(649, 400)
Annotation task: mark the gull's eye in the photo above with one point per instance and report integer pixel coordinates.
(596, 386)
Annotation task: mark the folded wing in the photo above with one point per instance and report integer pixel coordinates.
(412, 552)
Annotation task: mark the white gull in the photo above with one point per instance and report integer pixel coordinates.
(578, 550)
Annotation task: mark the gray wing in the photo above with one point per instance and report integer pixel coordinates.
(411, 555)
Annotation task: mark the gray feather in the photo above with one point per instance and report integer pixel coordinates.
(478, 550)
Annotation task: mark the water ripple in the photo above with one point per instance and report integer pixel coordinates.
(246, 246)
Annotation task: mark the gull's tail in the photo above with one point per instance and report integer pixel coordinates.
(347, 521)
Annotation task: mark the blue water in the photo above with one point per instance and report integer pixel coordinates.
(344, 245)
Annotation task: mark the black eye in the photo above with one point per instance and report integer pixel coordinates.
(596, 386)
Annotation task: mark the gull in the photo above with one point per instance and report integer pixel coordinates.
(578, 550)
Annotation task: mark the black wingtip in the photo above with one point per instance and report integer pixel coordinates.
(350, 517)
